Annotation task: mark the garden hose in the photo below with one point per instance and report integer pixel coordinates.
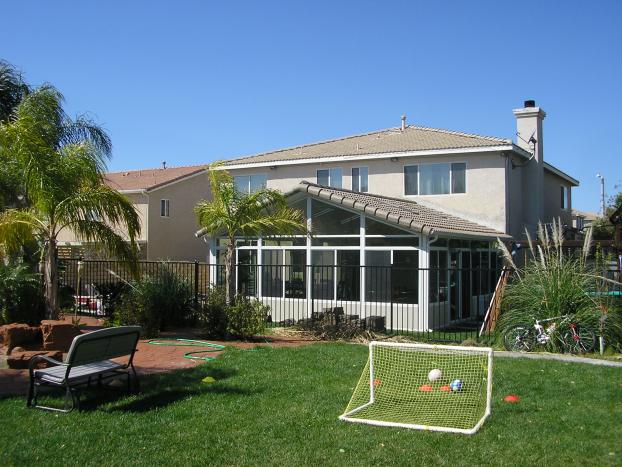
(173, 342)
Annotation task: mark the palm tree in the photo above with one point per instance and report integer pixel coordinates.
(12, 90)
(60, 163)
(232, 213)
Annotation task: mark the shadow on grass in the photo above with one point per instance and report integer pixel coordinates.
(159, 391)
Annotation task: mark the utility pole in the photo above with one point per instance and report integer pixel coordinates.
(602, 194)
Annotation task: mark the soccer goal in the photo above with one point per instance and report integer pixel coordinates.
(424, 387)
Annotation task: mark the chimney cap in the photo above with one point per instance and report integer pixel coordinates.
(530, 103)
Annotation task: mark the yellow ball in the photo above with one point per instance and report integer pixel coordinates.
(209, 380)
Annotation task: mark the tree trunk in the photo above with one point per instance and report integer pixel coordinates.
(230, 272)
(50, 279)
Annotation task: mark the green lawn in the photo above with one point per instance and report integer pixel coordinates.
(280, 407)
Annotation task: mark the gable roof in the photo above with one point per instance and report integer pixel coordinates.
(554, 170)
(149, 179)
(406, 214)
(391, 140)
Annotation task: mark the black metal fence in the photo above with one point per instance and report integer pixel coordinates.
(444, 304)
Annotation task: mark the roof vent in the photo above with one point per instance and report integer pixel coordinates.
(530, 103)
(164, 164)
(403, 122)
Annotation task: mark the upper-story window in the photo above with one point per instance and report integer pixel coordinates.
(329, 177)
(359, 179)
(250, 183)
(435, 179)
(165, 208)
(564, 197)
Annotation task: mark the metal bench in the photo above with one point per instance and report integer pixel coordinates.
(89, 358)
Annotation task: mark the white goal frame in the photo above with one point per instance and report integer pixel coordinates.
(477, 350)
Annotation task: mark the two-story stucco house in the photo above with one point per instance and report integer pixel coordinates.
(400, 218)
(164, 198)
(404, 220)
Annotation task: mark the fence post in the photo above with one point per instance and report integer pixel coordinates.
(196, 283)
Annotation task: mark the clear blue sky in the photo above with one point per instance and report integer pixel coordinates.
(193, 81)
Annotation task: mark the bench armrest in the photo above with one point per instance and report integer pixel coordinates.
(37, 358)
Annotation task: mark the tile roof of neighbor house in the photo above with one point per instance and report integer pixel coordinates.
(407, 214)
(412, 138)
(149, 179)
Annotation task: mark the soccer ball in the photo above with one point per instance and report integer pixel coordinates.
(456, 385)
(435, 375)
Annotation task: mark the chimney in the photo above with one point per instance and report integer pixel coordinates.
(164, 164)
(529, 129)
(403, 122)
(529, 137)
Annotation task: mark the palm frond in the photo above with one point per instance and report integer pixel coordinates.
(13, 89)
(97, 231)
(100, 203)
(18, 227)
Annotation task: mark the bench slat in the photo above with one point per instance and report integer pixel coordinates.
(57, 374)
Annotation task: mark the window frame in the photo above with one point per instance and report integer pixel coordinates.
(249, 184)
(165, 208)
(565, 194)
(330, 179)
(451, 193)
(359, 179)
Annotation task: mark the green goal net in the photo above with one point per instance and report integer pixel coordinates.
(422, 386)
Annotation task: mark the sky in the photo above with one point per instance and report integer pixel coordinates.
(189, 82)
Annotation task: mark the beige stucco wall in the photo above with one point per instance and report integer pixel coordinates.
(552, 199)
(483, 202)
(173, 237)
(140, 202)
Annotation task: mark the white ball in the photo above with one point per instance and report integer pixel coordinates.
(435, 375)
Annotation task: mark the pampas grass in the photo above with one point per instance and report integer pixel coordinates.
(554, 283)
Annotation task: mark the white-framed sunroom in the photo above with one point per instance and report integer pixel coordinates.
(365, 265)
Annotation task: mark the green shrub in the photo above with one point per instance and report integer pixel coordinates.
(21, 296)
(157, 302)
(212, 313)
(246, 318)
(112, 295)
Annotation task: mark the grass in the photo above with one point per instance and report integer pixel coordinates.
(280, 407)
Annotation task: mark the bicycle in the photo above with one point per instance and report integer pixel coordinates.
(572, 337)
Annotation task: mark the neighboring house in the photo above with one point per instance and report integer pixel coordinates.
(582, 219)
(393, 200)
(165, 199)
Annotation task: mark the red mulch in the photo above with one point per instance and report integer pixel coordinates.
(149, 358)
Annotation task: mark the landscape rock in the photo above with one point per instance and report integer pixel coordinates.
(15, 334)
(58, 335)
(21, 360)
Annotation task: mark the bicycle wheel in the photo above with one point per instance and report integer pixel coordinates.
(519, 338)
(578, 339)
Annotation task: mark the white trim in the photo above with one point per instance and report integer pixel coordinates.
(138, 191)
(388, 155)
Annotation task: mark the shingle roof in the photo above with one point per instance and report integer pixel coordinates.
(406, 214)
(149, 179)
(413, 138)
